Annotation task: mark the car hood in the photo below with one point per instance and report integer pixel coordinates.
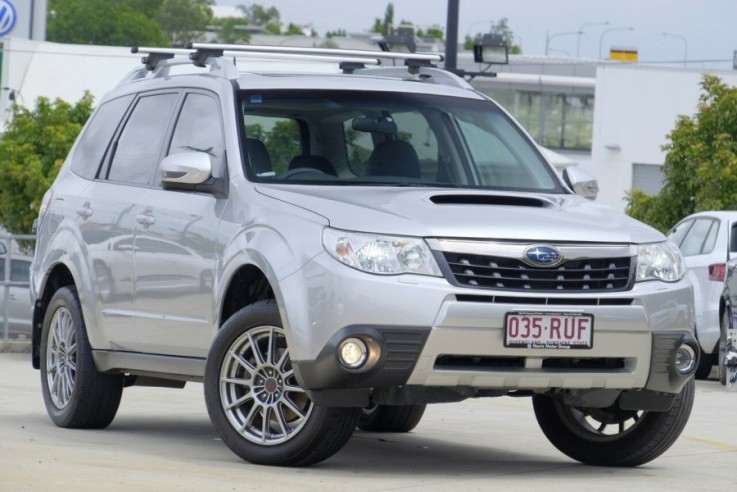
(466, 214)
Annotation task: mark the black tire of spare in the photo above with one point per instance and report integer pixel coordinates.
(651, 436)
(230, 397)
(95, 397)
(391, 418)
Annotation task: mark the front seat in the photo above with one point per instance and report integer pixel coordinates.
(393, 158)
(259, 157)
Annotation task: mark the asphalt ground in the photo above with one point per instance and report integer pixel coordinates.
(162, 440)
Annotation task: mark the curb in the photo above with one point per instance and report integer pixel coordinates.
(15, 346)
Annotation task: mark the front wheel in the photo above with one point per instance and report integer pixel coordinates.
(255, 402)
(612, 436)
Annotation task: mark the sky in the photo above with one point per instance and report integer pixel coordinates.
(702, 32)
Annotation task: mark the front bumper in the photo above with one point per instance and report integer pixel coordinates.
(432, 334)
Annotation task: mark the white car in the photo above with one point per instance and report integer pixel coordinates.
(707, 241)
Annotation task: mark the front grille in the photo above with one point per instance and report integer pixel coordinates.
(500, 273)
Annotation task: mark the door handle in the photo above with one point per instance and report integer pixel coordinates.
(85, 212)
(145, 219)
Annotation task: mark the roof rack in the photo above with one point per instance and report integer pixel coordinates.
(294, 50)
(157, 61)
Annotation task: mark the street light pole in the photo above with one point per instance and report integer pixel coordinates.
(580, 31)
(611, 29)
(685, 45)
(549, 37)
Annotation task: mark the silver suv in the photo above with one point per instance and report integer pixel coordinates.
(326, 251)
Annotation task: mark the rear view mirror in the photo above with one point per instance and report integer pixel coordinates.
(381, 124)
(581, 182)
(189, 168)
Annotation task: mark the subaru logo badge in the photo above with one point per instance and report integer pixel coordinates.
(543, 256)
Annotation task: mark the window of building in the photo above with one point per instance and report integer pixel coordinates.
(648, 178)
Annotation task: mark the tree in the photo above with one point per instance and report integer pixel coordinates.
(184, 20)
(105, 22)
(700, 169)
(501, 28)
(32, 150)
(230, 30)
(385, 27)
(258, 15)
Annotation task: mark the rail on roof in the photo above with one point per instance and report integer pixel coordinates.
(157, 61)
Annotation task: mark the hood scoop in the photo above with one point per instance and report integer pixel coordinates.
(478, 199)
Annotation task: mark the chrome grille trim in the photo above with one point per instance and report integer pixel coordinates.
(501, 266)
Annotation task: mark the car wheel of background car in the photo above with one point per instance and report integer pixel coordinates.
(724, 327)
(255, 402)
(391, 418)
(75, 393)
(611, 436)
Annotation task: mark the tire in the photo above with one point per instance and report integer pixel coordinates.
(581, 433)
(75, 393)
(248, 376)
(725, 326)
(706, 362)
(391, 418)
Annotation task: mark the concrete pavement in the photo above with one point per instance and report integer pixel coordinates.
(162, 440)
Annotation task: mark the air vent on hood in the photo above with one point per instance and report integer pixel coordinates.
(473, 199)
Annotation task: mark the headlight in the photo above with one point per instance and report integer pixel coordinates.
(386, 255)
(660, 261)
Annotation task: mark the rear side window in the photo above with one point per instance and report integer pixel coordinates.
(698, 239)
(95, 140)
(139, 146)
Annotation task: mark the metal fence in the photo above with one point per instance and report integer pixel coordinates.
(15, 298)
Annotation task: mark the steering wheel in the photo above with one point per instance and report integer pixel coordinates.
(303, 172)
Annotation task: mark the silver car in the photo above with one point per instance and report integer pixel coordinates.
(333, 251)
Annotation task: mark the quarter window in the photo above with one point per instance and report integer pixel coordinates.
(96, 138)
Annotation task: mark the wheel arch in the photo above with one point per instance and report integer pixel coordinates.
(248, 284)
(59, 276)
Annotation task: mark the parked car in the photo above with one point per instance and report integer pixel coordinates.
(351, 247)
(15, 297)
(708, 240)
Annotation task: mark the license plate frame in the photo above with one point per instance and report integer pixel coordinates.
(549, 330)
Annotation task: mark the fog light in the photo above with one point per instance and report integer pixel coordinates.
(352, 353)
(685, 359)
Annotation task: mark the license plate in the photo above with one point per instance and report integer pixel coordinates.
(539, 330)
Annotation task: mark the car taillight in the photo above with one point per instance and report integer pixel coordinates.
(717, 272)
(45, 202)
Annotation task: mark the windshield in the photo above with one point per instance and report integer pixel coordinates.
(388, 138)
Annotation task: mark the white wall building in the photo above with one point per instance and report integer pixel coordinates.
(636, 108)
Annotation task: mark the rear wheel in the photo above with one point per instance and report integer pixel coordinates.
(725, 326)
(255, 402)
(391, 418)
(75, 393)
(612, 436)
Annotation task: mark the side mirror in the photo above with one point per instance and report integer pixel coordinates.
(581, 182)
(186, 168)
